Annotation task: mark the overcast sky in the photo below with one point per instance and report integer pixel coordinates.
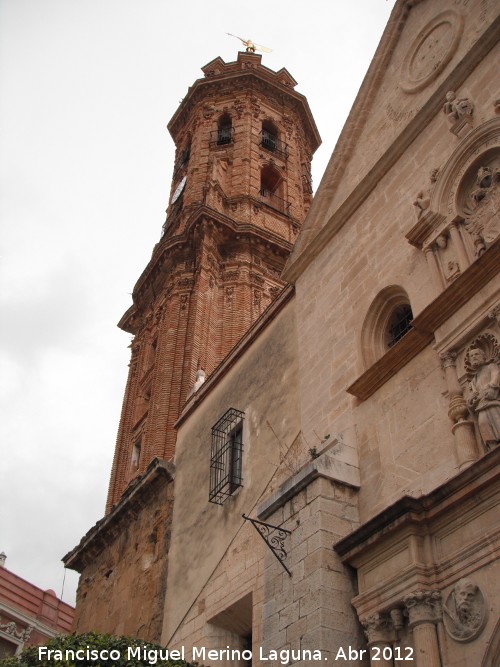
(86, 90)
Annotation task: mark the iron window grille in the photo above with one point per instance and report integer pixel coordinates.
(270, 142)
(271, 199)
(307, 184)
(223, 136)
(226, 456)
(400, 324)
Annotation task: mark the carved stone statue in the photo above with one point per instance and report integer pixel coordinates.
(421, 202)
(455, 108)
(200, 379)
(423, 198)
(484, 399)
(464, 613)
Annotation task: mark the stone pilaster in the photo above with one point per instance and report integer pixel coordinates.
(433, 268)
(463, 426)
(423, 612)
(458, 244)
(379, 634)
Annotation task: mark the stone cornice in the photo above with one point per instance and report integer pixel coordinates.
(426, 224)
(166, 246)
(388, 365)
(326, 466)
(425, 323)
(134, 498)
(261, 75)
(419, 511)
(465, 287)
(217, 67)
(18, 616)
(316, 233)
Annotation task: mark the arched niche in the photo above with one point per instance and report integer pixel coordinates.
(454, 175)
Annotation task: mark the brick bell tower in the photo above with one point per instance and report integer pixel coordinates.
(240, 191)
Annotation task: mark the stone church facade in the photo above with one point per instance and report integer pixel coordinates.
(354, 423)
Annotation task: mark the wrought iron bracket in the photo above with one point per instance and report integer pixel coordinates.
(274, 537)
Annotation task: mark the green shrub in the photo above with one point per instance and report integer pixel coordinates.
(98, 650)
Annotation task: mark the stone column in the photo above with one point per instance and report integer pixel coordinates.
(458, 244)
(434, 268)
(458, 412)
(378, 631)
(423, 615)
(398, 623)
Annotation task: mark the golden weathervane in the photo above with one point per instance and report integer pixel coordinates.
(250, 46)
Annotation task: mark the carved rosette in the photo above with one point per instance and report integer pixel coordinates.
(465, 612)
(424, 606)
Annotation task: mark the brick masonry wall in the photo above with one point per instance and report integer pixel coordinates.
(122, 586)
(219, 261)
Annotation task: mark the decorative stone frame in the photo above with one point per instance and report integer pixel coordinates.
(449, 24)
(272, 187)
(454, 355)
(443, 228)
(374, 331)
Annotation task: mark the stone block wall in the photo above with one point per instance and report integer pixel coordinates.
(123, 562)
(311, 609)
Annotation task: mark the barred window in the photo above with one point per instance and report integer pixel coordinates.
(224, 130)
(226, 456)
(399, 324)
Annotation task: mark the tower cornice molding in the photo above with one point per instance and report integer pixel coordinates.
(206, 87)
(166, 247)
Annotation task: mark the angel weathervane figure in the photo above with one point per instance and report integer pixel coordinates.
(250, 46)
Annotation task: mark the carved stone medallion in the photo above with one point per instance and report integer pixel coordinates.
(431, 51)
(465, 613)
